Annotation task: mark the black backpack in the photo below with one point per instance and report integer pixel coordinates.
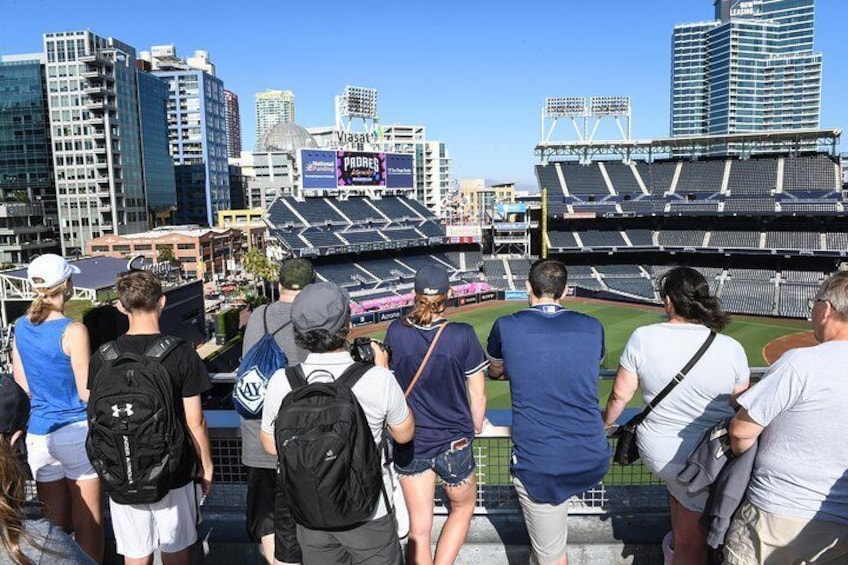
(329, 464)
(135, 438)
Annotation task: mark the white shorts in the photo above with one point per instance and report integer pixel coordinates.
(170, 524)
(60, 454)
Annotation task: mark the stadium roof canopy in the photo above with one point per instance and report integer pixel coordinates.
(96, 274)
(791, 142)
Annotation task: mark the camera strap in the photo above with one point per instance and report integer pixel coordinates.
(426, 358)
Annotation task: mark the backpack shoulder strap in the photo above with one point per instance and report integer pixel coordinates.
(353, 373)
(162, 347)
(109, 351)
(295, 377)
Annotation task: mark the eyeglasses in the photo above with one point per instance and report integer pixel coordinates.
(811, 302)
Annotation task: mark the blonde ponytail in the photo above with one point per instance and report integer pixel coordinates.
(42, 305)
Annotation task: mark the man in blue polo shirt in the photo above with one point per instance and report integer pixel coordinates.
(551, 357)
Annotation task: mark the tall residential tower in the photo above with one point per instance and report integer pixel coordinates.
(750, 69)
(273, 107)
(92, 91)
(197, 133)
(233, 120)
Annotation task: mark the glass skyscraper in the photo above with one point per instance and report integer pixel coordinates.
(28, 222)
(157, 163)
(750, 69)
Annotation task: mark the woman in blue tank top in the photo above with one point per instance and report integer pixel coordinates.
(50, 362)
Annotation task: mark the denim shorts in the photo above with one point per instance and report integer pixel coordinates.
(453, 467)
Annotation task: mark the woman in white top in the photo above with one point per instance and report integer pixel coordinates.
(653, 355)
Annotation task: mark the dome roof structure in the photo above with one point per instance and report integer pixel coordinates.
(286, 138)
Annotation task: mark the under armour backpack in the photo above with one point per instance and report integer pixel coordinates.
(259, 363)
(329, 466)
(135, 437)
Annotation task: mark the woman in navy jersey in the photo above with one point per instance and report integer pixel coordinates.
(50, 362)
(449, 404)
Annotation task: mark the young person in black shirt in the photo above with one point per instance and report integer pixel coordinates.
(173, 520)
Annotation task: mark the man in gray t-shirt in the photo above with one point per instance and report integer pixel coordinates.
(797, 507)
(262, 497)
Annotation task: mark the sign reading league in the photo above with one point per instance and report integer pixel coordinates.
(318, 169)
(355, 168)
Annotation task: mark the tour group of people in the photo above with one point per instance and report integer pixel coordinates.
(421, 400)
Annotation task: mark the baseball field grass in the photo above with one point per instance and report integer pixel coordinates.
(619, 321)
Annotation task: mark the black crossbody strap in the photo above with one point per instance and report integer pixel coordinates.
(678, 378)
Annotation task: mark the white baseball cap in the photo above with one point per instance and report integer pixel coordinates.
(50, 270)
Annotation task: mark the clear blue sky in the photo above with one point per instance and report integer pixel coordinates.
(474, 73)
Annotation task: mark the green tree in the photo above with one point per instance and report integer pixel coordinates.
(260, 267)
(166, 254)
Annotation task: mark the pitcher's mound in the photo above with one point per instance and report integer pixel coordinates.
(777, 347)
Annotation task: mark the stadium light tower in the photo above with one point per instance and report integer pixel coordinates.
(586, 115)
(615, 107)
(571, 107)
(357, 103)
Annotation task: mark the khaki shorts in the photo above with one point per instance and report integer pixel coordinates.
(756, 536)
(547, 525)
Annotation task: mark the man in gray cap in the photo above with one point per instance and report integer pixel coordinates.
(321, 319)
(267, 514)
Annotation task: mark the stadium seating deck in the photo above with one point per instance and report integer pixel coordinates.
(548, 178)
(735, 239)
(431, 229)
(319, 238)
(622, 178)
(359, 211)
(640, 238)
(836, 241)
(793, 299)
(637, 286)
(392, 207)
(316, 211)
(748, 296)
(418, 207)
(363, 236)
(562, 239)
(816, 172)
(602, 239)
(681, 238)
(402, 234)
(619, 271)
(792, 240)
(700, 176)
(342, 274)
(749, 204)
(752, 176)
(660, 176)
(584, 179)
(281, 215)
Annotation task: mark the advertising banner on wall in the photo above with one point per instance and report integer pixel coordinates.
(318, 169)
(486, 296)
(463, 234)
(518, 208)
(399, 171)
(362, 319)
(357, 168)
(515, 295)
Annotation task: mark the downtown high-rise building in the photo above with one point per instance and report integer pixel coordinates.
(197, 133)
(92, 93)
(273, 107)
(233, 121)
(752, 68)
(28, 218)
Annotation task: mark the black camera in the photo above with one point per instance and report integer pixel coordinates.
(361, 350)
